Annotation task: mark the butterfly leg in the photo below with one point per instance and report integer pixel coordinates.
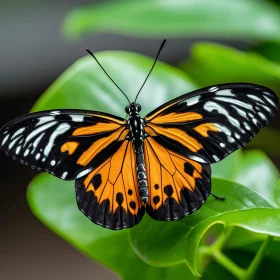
(218, 197)
(141, 174)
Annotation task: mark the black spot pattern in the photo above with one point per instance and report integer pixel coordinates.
(129, 192)
(132, 205)
(156, 186)
(96, 181)
(168, 190)
(156, 199)
(119, 198)
(188, 168)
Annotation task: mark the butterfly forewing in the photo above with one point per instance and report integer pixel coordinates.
(66, 143)
(209, 124)
(109, 195)
(177, 185)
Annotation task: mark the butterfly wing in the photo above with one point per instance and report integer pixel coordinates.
(210, 123)
(66, 143)
(177, 186)
(109, 194)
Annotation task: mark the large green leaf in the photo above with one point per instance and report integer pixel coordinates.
(53, 202)
(212, 63)
(228, 168)
(178, 241)
(258, 173)
(218, 18)
(269, 50)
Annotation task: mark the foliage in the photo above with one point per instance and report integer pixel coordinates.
(206, 242)
(237, 19)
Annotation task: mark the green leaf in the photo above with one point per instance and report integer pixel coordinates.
(178, 241)
(270, 50)
(53, 202)
(258, 173)
(214, 64)
(268, 140)
(218, 18)
(85, 86)
(229, 167)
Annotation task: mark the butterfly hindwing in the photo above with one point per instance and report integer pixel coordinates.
(177, 186)
(210, 123)
(66, 143)
(109, 194)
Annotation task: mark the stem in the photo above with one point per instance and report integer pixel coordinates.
(257, 259)
(224, 261)
(215, 251)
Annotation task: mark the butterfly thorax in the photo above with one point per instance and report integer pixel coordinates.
(136, 127)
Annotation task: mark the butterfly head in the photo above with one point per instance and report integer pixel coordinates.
(133, 107)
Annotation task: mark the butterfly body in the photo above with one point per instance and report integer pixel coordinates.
(137, 135)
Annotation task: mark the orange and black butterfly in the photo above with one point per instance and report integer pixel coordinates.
(159, 164)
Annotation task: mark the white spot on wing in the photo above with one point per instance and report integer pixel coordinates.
(59, 130)
(84, 172)
(45, 119)
(254, 97)
(5, 139)
(239, 111)
(247, 127)
(192, 100)
(225, 92)
(195, 158)
(235, 102)
(55, 113)
(18, 132)
(255, 121)
(63, 176)
(237, 136)
(213, 89)
(18, 149)
(215, 158)
(13, 143)
(37, 141)
(266, 108)
(38, 130)
(77, 118)
(26, 152)
(222, 145)
(210, 106)
(262, 116)
(52, 162)
(269, 100)
(37, 156)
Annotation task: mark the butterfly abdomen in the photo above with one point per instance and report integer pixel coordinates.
(137, 134)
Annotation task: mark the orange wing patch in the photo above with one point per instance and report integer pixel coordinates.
(177, 117)
(69, 147)
(174, 182)
(115, 188)
(178, 135)
(100, 144)
(204, 128)
(96, 128)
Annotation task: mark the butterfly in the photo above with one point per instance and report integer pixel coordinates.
(159, 164)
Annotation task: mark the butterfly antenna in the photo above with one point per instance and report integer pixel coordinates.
(107, 73)
(162, 44)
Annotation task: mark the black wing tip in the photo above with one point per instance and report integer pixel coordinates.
(100, 213)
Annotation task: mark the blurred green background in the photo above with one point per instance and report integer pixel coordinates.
(211, 41)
